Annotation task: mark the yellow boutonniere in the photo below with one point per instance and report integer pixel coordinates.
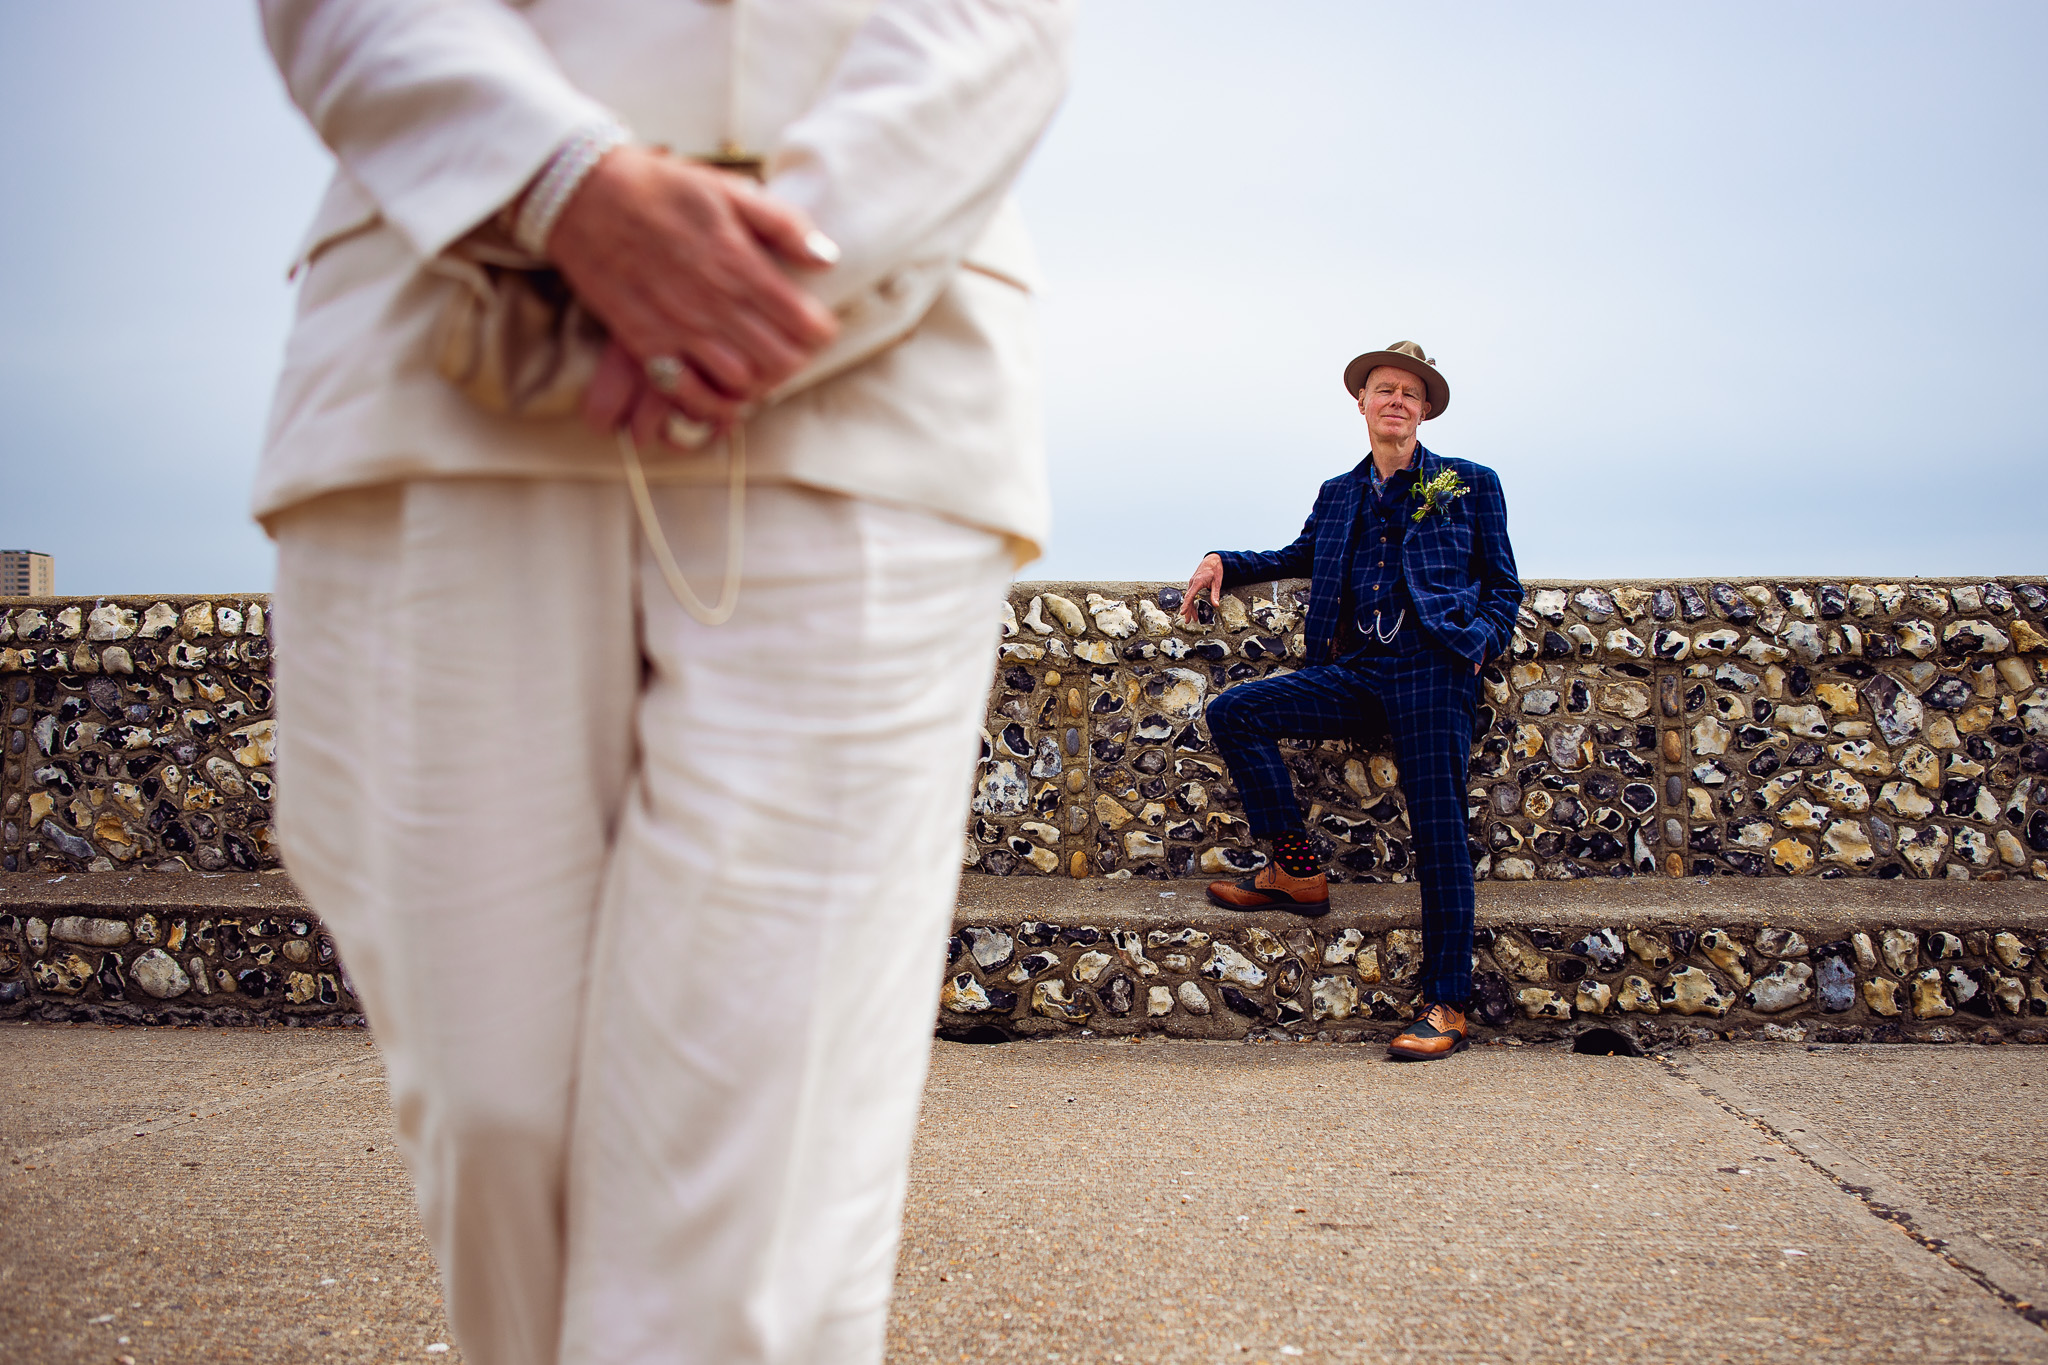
(1438, 492)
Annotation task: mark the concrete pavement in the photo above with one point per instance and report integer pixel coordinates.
(198, 1195)
(1198, 1203)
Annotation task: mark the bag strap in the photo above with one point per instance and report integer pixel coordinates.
(728, 157)
(736, 516)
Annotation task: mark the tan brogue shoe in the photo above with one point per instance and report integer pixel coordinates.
(1438, 1033)
(1272, 889)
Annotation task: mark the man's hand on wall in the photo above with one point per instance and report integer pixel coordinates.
(678, 259)
(1207, 578)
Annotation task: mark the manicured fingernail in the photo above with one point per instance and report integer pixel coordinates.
(823, 249)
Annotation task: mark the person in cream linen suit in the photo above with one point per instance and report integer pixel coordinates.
(646, 913)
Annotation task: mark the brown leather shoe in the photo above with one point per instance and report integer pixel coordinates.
(1438, 1033)
(1271, 889)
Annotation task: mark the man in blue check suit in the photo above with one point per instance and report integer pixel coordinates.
(1412, 589)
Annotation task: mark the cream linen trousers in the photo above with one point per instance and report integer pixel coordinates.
(647, 917)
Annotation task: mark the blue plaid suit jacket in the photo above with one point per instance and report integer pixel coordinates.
(1458, 563)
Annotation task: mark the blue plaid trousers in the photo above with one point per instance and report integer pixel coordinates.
(1428, 699)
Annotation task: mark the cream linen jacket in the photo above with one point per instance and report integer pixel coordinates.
(898, 125)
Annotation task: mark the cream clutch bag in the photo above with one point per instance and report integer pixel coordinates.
(513, 338)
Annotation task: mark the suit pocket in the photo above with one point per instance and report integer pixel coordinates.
(1442, 549)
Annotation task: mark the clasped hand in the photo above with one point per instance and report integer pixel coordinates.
(679, 259)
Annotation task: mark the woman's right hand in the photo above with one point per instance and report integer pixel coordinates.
(679, 259)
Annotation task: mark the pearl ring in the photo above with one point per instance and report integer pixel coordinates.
(665, 372)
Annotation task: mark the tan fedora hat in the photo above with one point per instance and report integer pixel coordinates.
(1402, 355)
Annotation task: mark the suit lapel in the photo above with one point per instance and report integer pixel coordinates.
(1427, 530)
(1343, 527)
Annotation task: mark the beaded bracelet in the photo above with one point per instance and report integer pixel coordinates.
(559, 180)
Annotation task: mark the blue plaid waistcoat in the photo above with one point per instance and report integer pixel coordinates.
(1457, 562)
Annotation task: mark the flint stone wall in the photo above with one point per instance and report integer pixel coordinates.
(1744, 728)
(1748, 728)
(1663, 963)
(97, 959)
(1691, 964)
(137, 733)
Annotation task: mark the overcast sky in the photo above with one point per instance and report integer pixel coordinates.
(1740, 289)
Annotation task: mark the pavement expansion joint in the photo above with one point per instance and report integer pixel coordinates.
(2016, 1286)
(24, 1159)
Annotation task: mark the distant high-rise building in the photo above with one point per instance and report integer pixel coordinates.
(24, 573)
